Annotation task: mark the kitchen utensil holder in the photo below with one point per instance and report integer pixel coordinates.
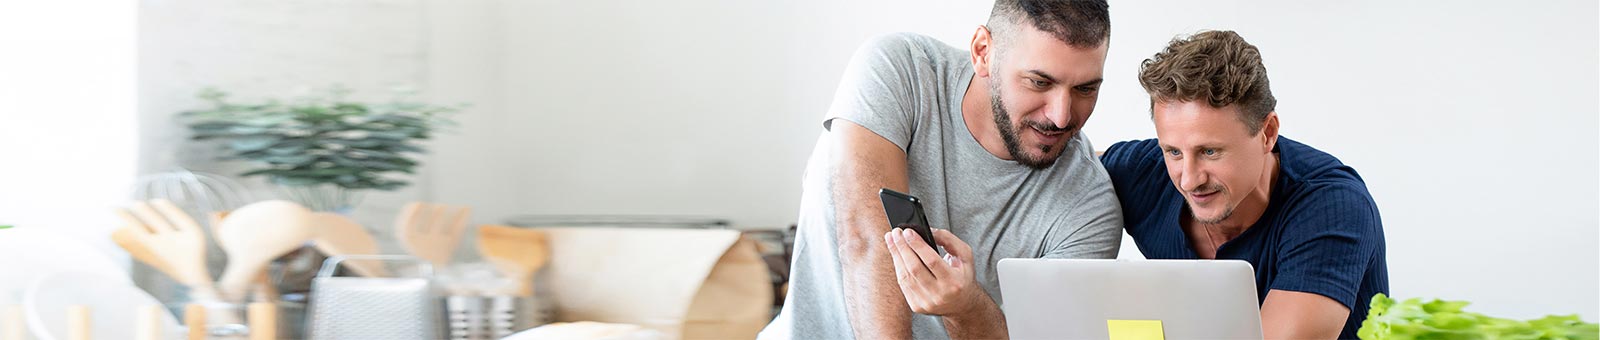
(471, 317)
(396, 308)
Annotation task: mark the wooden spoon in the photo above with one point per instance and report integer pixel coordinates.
(339, 235)
(263, 290)
(516, 252)
(255, 234)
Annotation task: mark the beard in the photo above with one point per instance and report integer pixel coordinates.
(1010, 133)
(1226, 213)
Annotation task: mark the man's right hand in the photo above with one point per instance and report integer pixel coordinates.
(863, 162)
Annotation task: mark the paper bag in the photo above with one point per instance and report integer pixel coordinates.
(687, 283)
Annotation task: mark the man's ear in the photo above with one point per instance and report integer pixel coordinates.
(982, 51)
(1269, 131)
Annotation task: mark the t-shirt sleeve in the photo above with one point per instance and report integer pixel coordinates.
(1118, 158)
(1094, 233)
(1093, 229)
(877, 90)
(1136, 170)
(1333, 234)
(1129, 162)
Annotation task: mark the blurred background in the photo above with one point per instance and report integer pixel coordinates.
(1473, 123)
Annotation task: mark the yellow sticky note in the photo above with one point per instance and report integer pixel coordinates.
(1135, 329)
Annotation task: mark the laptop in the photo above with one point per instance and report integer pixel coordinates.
(1093, 299)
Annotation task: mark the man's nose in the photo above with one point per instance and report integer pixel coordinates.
(1060, 111)
(1191, 176)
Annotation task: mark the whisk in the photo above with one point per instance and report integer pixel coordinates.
(194, 191)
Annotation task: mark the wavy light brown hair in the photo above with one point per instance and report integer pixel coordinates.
(1217, 67)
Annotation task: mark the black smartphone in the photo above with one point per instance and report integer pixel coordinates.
(905, 211)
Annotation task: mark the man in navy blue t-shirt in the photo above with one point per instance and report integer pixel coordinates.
(1219, 183)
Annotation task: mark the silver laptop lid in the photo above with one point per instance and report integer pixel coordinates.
(1076, 299)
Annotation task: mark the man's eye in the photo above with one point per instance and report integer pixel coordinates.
(1173, 152)
(1088, 90)
(1211, 152)
(1038, 83)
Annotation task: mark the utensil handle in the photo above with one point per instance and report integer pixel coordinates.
(263, 289)
(194, 317)
(13, 328)
(263, 321)
(147, 323)
(78, 322)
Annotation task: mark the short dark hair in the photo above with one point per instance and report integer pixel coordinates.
(1216, 66)
(1079, 23)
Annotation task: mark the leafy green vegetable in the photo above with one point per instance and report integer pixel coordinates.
(1445, 320)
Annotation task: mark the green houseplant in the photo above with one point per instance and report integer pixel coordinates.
(324, 149)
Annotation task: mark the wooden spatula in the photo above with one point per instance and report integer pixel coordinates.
(431, 231)
(339, 235)
(255, 234)
(171, 236)
(516, 252)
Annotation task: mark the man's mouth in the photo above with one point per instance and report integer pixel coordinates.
(1049, 137)
(1199, 198)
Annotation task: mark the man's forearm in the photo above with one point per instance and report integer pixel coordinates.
(985, 322)
(876, 308)
(863, 162)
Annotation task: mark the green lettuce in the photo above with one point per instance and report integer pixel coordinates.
(1444, 320)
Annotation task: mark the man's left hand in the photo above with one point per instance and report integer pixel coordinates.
(932, 284)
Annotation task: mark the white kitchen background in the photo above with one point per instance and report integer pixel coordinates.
(1474, 123)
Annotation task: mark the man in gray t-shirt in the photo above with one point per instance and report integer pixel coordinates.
(989, 140)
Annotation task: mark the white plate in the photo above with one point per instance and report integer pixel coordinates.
(28, 254)
(113, 305)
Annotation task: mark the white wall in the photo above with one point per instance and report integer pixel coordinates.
(258, 49)
(66, 102)
(700, 108)
(1473, 124)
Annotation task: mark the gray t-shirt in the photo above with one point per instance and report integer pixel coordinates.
(908, 89)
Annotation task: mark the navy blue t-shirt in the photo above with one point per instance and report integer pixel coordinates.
(1320, 233)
